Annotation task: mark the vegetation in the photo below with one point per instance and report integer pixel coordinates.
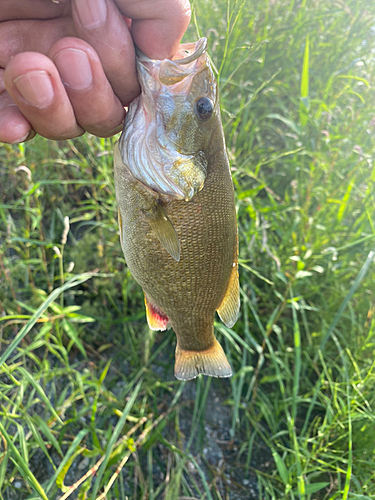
(87, 393)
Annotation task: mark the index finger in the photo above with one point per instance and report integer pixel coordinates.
(157, 25)
(37, 9)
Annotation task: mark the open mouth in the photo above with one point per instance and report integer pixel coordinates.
(187, 61)
(187, 53)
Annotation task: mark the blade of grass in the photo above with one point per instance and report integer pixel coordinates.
(348, 474)
(116, 432)
(22, 465)
(304, 106)
(72, 449)
(362, 273)
(73, 282)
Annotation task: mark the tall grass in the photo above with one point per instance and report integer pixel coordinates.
(89, 407)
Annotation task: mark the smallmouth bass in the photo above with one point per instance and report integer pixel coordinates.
(176, 206)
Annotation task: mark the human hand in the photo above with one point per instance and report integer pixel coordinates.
(69, 67)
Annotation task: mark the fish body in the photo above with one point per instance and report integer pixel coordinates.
(176, 204)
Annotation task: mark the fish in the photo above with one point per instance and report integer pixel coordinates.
(176, 206)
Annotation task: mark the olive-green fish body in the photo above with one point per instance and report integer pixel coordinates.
(184, 253)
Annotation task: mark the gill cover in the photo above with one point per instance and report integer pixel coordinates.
(164, 136)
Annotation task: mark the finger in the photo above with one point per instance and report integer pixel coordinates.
(14, 127)
(157, 25)
(96, 108)
(31, 36)
(34, 84)
(37, 9)
(100, 23)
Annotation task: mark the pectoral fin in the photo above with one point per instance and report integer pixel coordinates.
(163, 230)
(230, 305)
(156, 318)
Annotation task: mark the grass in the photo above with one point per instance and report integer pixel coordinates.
(87, 395)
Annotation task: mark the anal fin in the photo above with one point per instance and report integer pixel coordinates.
(211, 362)
(163, 229)
(230, 305)
(156, 318)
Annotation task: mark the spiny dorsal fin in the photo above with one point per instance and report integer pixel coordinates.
(211, 362)
(230, 305)
(156, 318)
(163, 229)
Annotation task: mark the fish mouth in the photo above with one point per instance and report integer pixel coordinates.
(187, 61)
(187, 52)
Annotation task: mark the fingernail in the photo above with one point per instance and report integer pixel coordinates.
(91, 13)
(74, 68)
(36, 88)
(25, 138)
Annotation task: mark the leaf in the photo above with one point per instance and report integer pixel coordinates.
(77, 280)
(281, 467)
(344, 202)
(303, 274)
(64, 470)
(70, 309)
(43, 426)
(318, 269)
(40, 391)
(38, 438)
(105, 371)
(23, 444)
(21, 465)
(314, 487)
(254, 271)
(115, 434)
(80, 318)
(3, 468)
(362, 273)
(72, 333)
(304, 106)
(268, 379)
(354, 77)
(289, 123)
(71, 451)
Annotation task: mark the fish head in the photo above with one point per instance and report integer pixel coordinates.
(169, 127)
(182, 95)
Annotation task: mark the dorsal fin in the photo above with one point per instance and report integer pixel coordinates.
(156, 318)
(163, 229)
(230, 305)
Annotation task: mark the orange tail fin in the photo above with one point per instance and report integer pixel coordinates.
(212, 362)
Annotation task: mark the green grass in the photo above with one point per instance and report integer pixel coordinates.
(87, 394)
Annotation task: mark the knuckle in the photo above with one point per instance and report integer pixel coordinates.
(103, 128)
(59, 133)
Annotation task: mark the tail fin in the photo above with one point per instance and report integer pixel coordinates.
(211, 362)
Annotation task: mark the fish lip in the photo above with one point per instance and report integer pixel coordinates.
(167, 72)
(200, 47)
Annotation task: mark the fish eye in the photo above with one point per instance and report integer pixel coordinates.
(204, 108)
